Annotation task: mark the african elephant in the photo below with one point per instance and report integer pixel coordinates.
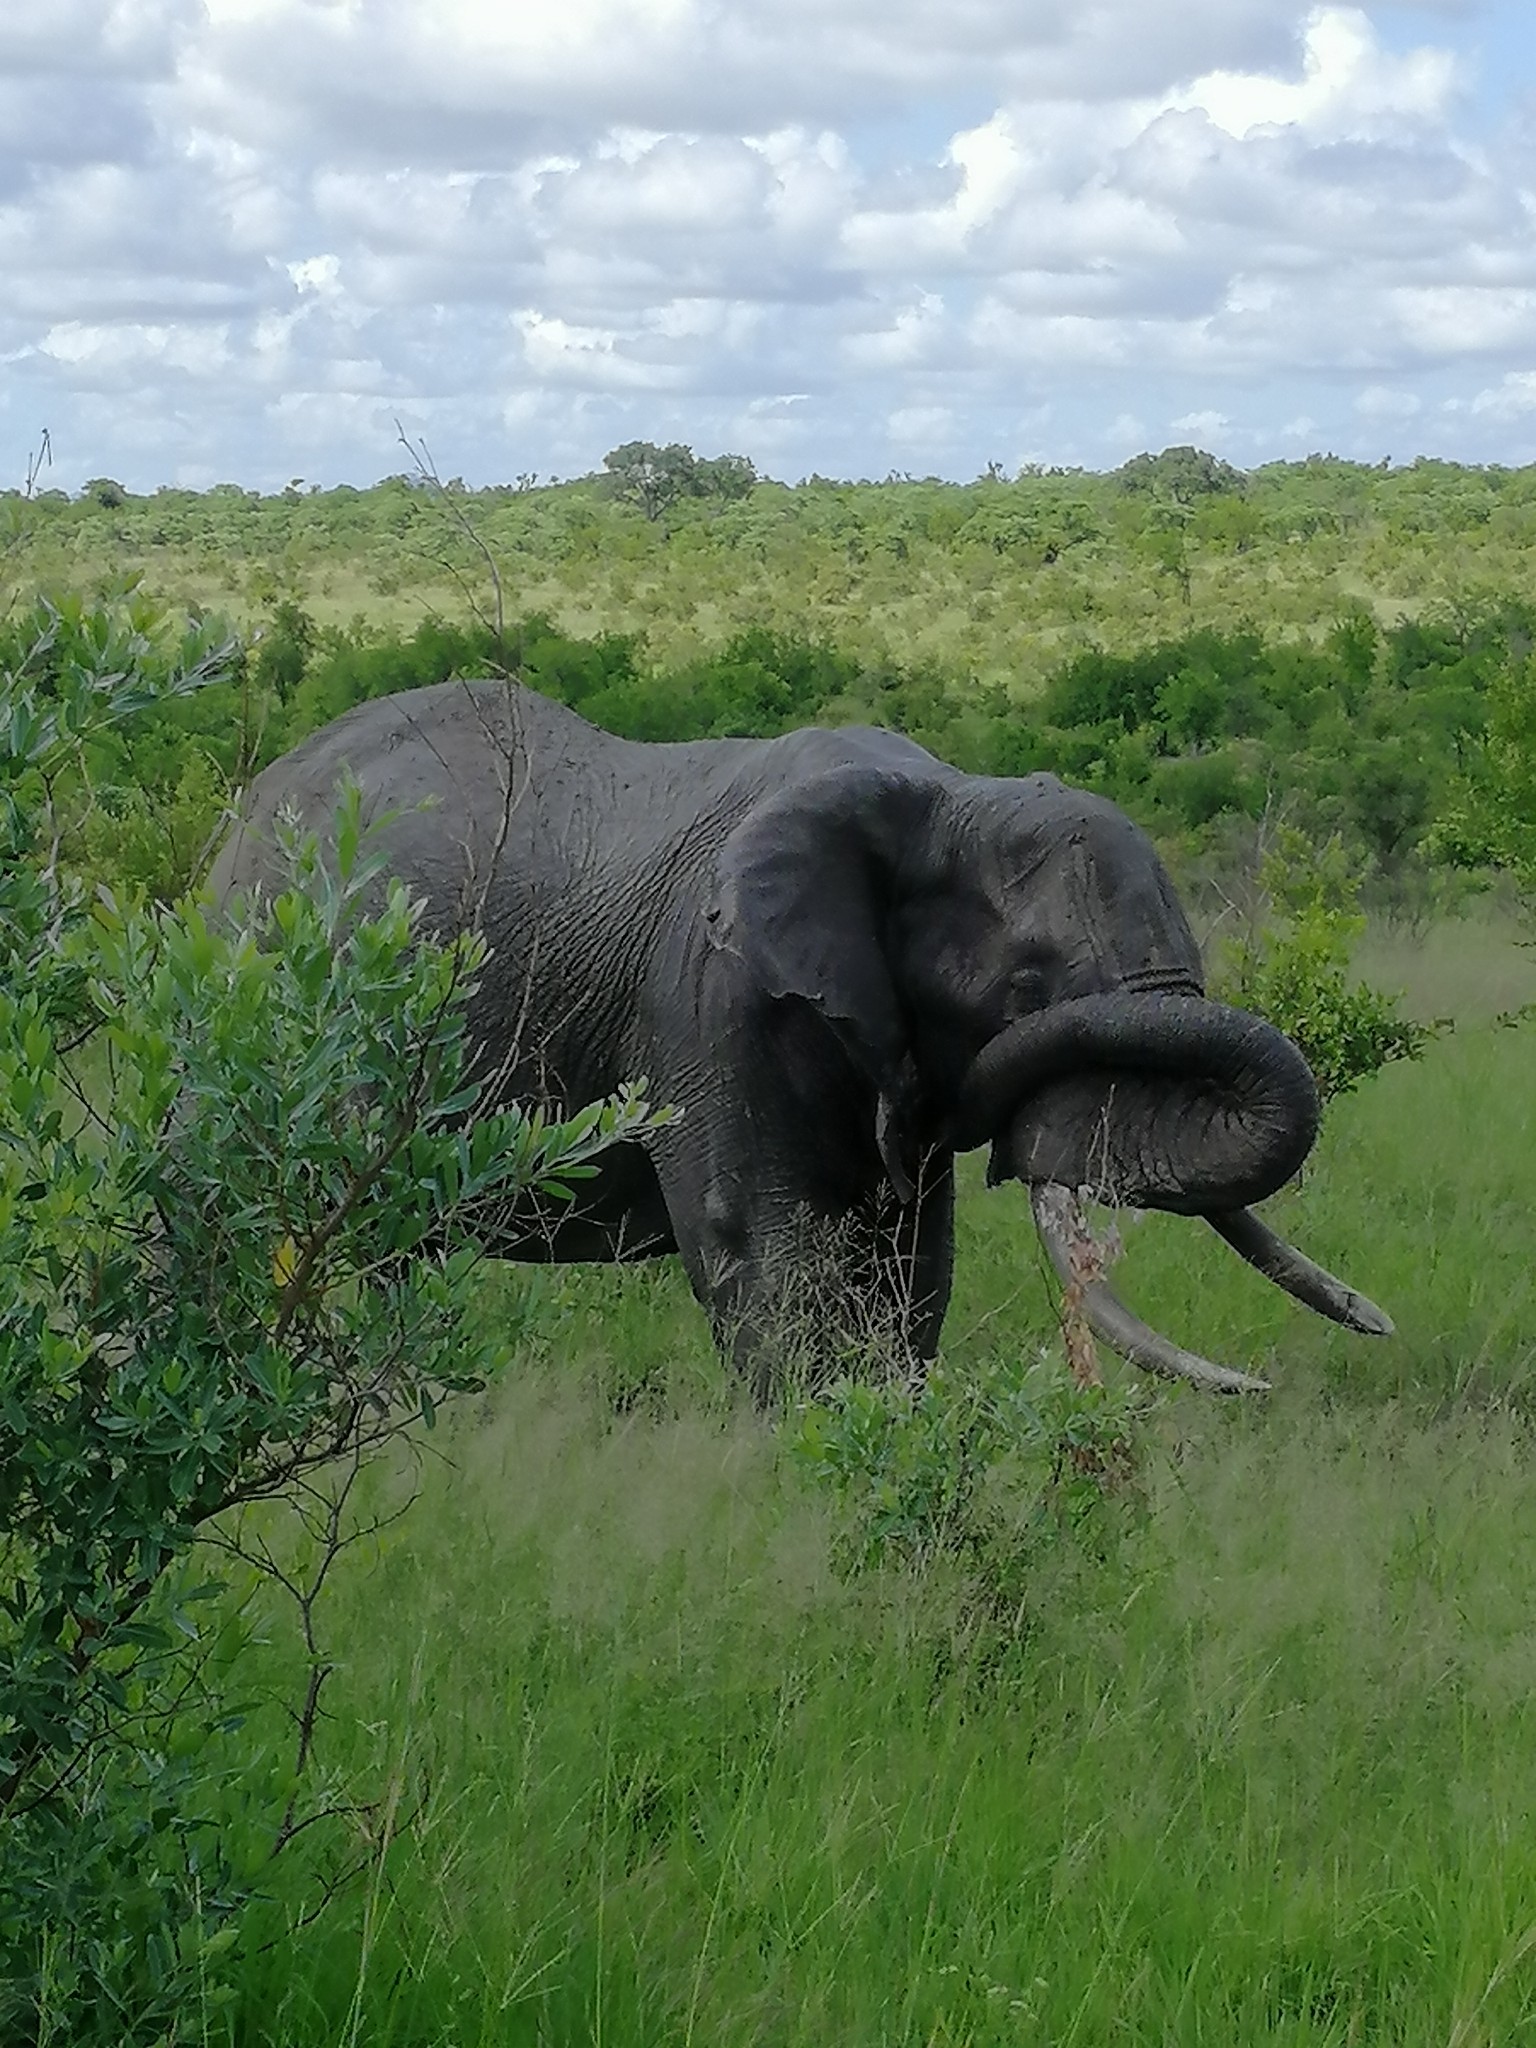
(845, 961)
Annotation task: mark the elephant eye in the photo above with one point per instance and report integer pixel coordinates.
(1026, 992)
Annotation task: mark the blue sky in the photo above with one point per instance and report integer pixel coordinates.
(1497, 41)
(243, 238)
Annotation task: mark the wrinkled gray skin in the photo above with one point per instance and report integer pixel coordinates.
(842, 959)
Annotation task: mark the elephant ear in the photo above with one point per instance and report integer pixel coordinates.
(808, 882)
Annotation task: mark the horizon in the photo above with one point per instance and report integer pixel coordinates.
(297, 489)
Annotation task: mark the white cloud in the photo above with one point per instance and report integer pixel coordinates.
(320, 275)
(913, 336)
(601, 358)
(1463, 319)
(393, 70)
(117, 353)
(134, 37)
(1200, 426)
(1348, 85)
(554, 225)
(921, 426)
(1382, 402)
(1512, 398)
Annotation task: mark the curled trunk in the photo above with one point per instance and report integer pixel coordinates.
(1155, 1101)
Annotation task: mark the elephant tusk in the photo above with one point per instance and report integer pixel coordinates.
(890, 1150)
(1059, 1220)
(1297, 1274)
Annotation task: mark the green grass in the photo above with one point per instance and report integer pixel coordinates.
(1253, 1764)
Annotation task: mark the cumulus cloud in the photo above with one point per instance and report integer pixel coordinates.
(1381, 402)
(478, 75)
(1348, 86)
(1201, 426)
(540, 229)
(1512, 398)
(93, 38)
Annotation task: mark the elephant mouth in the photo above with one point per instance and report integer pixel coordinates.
(1162, 1100)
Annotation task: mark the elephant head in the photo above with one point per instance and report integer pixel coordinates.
(1006, 963)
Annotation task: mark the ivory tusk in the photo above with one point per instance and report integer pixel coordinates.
(1298, 1275)
(1060, 1221)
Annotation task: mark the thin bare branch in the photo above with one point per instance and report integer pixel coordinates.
(426, 471)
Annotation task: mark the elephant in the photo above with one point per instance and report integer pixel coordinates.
(844, 961)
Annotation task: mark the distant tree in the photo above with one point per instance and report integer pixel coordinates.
(725, 476)
(1491, 820)
(104, 490)
(1183, 474)
(652, 478)
(283, 650)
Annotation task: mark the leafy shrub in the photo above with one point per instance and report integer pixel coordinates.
(283, 651)
(237, 1198)
(1490, 819)
(350, 667)
(1292, 968)
(1199, 787)
(995, 1467)
(146, 842)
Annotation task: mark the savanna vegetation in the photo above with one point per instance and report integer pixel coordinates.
(599, 1708)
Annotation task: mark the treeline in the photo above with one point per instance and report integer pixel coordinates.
(1169, 512)
(1003, 579)
(721, 499)
(1362, 735)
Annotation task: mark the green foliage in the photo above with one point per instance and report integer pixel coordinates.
(237, 1203)
(70, 675)
(347, 666)
(283, 651)
(106, 492)
(640, 473)
(727, 477)
(1341, 624)
(1293, 968)
(1490, 820)
(1183, 474)
(152, 842)
(994, 1465)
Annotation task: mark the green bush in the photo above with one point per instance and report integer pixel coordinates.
(237, 1203)
(1292, 967)
(1490, 818)
(349, 667)
(994, 1468)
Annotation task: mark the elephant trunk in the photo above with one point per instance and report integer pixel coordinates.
(1156, 1101)
(1152, 1100)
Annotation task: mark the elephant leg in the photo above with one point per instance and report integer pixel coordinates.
(933, 1255)
(912, 1266)
(797, 1298)
(764, 1287)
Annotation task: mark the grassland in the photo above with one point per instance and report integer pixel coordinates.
(1250, 1762)
(1002, 580)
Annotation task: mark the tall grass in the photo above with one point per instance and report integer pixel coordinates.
(1253, 1766)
